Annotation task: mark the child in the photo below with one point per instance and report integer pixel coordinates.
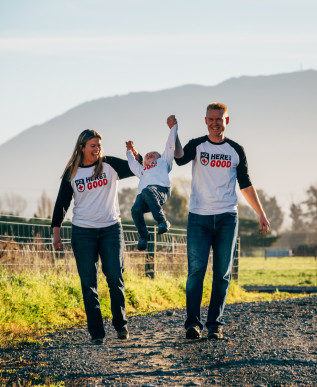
(154, 186)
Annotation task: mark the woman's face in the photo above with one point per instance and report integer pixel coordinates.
(91, 151)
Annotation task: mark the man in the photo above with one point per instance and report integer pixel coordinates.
(213, 220)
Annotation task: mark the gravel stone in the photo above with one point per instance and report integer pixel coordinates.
(265, 344)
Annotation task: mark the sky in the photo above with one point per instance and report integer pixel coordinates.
(55, 55)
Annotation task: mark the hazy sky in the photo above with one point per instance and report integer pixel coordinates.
(56, 54)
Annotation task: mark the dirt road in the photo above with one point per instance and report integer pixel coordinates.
(266, 344)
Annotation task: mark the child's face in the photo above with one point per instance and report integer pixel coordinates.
(150, 157)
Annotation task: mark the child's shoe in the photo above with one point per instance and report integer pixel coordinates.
(163, 227)
(142, 244)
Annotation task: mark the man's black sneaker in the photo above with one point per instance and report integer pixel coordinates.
(215, 333)
(142, 244)
(163, 227)
(123, 334)
(193, 333)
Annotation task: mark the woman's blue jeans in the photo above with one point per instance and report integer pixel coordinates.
(88, 245)
(203, 232)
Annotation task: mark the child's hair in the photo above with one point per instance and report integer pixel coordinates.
(77, 156)
(159, 155)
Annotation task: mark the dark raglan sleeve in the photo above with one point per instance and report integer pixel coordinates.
(64, 197)
(120, 166)
(243, 177)
(190, 151)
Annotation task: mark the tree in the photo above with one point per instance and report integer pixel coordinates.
(15, 204)
(305, 210)
(126, 199)
(297, 216)
(273, 211)
(246, 212)
(311, 205)
(44, 207)
(183, 185)
(251, 237)
(176, 208)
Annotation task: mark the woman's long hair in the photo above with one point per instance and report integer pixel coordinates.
(77, 157)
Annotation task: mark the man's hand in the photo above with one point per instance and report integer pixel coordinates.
(130, 146)
(252, 198)
(171, 121)
(264, 224)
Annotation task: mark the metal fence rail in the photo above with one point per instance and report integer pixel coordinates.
(29, 245)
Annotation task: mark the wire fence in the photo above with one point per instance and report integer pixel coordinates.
(26, 246)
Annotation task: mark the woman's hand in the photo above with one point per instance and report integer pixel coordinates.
(130, 146)
(57, 240)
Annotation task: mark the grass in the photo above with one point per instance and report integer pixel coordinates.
(293, 271)
(33, 304)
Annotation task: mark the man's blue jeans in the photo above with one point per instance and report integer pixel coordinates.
(151, 200)
(88, 244)
(203, 232)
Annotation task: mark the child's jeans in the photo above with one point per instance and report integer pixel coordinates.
(151, 200)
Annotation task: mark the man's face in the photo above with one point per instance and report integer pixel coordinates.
(216, 122)
(150, 157)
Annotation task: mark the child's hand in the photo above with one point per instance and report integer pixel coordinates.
(130, 146)
(171, 121)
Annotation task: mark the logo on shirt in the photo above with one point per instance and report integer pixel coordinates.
(99, 181)
(80, 185)
(149, 166)
(220, 160)
(204, 158)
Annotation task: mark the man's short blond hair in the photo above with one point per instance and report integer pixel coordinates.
(217, 106)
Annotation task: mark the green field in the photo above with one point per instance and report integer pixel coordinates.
(290, 271)
(33, 304)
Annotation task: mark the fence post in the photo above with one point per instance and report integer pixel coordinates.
(150, 256)
(235, 267)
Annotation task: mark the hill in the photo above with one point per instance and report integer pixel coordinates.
(273, 117)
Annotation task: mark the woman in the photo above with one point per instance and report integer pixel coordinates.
(96, 228)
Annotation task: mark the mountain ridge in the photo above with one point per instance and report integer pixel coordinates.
(269, 117)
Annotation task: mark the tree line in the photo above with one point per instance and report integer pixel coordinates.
(176, 210)
(303, 214)
(14, 204)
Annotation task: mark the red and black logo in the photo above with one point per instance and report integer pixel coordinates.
(80, 185)
(149, 166)
(204, 158)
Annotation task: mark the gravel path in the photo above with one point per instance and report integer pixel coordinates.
(265, 344)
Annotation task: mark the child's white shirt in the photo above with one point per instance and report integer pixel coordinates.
(157, 172)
